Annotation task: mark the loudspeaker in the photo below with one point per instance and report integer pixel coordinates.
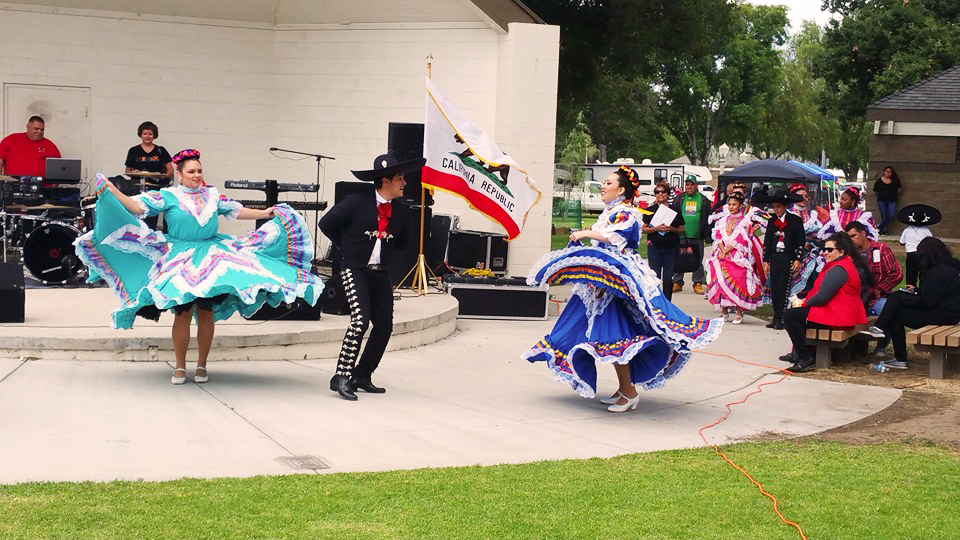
(297, 311)
(469, 249)
(405, 142)
(404, 259)
(334, 300)
(489, 301)
(12, 294)
(342, 189)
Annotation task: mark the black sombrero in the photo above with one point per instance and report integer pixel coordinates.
(919, 214)
(386, 166)
(781, 196)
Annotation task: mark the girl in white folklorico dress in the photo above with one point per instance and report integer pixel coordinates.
(847, 212)
(617, 314)
(734, 274)
(193, 267)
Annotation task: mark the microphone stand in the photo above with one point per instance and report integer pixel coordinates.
(316, 212)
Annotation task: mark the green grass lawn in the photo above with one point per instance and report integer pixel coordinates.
(832, 490)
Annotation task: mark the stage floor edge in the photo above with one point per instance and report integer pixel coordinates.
(74, 324)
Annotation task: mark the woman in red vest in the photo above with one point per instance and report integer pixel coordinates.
(833, 302)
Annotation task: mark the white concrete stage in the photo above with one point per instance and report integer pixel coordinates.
(74, 324)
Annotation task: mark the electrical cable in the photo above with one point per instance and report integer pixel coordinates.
(785, 373)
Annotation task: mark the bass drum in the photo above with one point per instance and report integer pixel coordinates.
(49, 255)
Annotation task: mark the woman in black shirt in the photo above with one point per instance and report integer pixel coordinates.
(936, 301)
(663, 241)
(886, 188)
(149, 157)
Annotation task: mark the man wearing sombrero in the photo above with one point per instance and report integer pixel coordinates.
(368, 227)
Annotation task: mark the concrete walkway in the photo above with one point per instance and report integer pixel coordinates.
(467, 399)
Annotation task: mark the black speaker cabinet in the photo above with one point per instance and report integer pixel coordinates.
(297, 311)
(12, 294)
(342, 189)
(405, 142)
(334, 300)
(489, 301)
(403, 259)
(471, 249)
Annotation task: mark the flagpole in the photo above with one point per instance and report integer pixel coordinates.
(419, 270)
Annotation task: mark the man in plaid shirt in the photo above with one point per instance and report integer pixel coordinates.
(882, 262)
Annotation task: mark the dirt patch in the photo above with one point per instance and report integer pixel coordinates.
(928, 410)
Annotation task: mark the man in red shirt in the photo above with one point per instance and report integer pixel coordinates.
(25, 154)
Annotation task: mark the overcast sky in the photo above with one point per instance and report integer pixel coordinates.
(798, 11)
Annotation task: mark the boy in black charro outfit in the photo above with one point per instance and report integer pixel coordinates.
(368, 227)
(782, 250)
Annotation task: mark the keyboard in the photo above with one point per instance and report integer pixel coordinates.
(306, 206)
(262, 186)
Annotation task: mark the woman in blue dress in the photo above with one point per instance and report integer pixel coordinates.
(193, 269)
(617, 313)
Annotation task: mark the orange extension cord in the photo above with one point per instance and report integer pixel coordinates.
(726, 415)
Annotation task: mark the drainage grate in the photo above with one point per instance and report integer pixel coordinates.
(303, 463)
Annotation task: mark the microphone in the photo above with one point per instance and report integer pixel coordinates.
(273, 148)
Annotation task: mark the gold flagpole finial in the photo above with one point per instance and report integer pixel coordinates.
(429, 65)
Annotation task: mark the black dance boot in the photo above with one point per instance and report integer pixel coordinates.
(341, 385)
(363, 383)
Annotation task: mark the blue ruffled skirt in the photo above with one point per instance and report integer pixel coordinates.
(617, 315)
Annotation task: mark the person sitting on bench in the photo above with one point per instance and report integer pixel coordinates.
(834, 301)
(936, 301)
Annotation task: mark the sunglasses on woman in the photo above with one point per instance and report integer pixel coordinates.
(658, 191)
(830, 249)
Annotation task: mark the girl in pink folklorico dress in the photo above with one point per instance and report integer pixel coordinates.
(733, 284)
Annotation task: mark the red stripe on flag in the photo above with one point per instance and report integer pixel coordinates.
(457, 185)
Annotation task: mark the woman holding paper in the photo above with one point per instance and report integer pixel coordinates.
(733, 284)
(663, 227)
(617, 314)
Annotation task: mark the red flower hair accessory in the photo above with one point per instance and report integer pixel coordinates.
(184, 155)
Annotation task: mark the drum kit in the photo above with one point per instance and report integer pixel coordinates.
(40, 224)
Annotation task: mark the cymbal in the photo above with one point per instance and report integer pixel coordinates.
(48, 206)
(5, 178)
(145, 174)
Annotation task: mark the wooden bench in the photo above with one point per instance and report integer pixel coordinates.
(941, 342)
(834, 344)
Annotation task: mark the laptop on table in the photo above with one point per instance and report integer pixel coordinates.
(62, 170)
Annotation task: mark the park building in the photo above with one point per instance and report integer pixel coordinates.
(917, 132)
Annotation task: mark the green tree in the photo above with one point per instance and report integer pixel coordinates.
(877, 48)
(794, 124)
(718, 94)
(574, 150)
(610, 53)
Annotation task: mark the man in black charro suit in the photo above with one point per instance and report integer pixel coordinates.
(368, 227)
(783, 250)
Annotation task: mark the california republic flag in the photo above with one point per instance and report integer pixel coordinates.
(462, 160)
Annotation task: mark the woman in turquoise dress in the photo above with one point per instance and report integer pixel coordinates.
(194, 269)
(618, 314)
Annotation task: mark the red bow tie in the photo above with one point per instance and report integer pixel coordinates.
(384, 211)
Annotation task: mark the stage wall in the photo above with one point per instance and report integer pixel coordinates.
(235, 89)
